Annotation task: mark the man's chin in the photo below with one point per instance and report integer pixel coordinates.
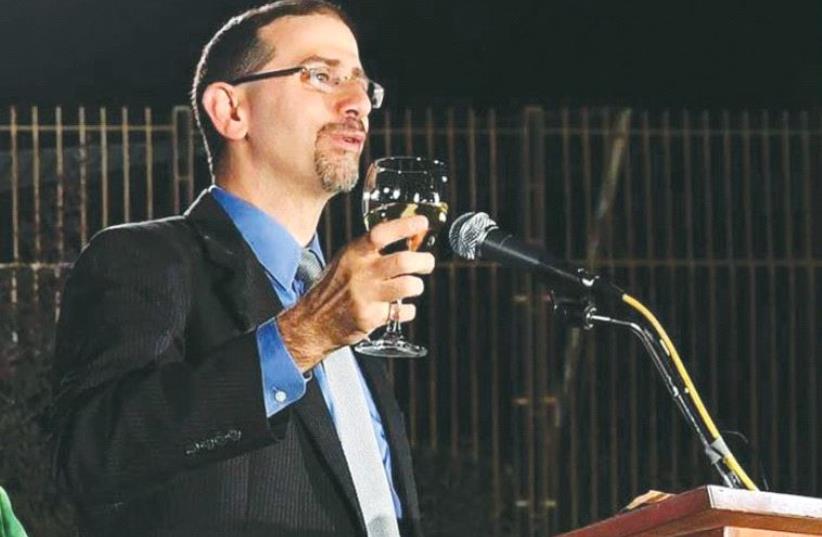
(338, 173)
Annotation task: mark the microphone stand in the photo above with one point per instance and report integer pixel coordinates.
(583, 313)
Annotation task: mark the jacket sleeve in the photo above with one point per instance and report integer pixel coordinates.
(131, 408)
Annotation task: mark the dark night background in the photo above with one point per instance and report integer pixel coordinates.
(713, 54)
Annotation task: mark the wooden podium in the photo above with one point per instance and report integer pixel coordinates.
(713, 511)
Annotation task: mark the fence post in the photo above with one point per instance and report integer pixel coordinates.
(182, 140)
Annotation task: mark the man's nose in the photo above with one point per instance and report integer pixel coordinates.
(353, 100)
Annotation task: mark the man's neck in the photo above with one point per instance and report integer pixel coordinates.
(297, 209)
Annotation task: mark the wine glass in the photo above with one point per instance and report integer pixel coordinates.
(396, 187)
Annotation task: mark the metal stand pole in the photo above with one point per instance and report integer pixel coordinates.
(583, 313)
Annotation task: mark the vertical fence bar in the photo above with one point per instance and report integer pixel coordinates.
(126, 165)
(585, 134)
(753, 394)
(473, 322)
(565, 387)
(812, 361)
(36, 209)
(540, 401)
(104, 167)
(453, 350)
(35, 184)
(187, 176)
(493, 178)
(148, 129)
(606, 225)
(433, 350)
(689, 254)
(525, 379)
(81, 119)
(604, 232)
(633, 390)
(571, 401)
(175, 158)
(812, 320)
(769, 258)
(190, 133)
(590, 351)
(793, 435)
(517, 444)
(670, 264)
(15, 216)
(60, 205)
(653, 458)
(60, 223)
(565, 136)
(710, 261)
(731, 335)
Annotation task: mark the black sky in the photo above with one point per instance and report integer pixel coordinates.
(664, 53)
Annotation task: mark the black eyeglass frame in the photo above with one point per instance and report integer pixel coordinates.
(378, 89)
(266, 74)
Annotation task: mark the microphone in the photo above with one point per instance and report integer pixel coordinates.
(477, 236)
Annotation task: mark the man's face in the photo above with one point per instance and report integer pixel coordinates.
(300, 133)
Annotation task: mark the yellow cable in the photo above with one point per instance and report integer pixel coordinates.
(737, 469)
(730, 460)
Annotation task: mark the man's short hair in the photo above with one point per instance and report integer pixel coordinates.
(236, 50)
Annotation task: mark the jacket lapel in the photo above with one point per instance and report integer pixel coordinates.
(314, 415)
(248, 295)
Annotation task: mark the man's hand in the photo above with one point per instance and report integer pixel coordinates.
(354, 294)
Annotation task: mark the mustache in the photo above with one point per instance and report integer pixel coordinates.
(348, 125)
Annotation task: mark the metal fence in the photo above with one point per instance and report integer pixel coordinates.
(708, 218)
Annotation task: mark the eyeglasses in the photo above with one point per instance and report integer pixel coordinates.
(324, 79)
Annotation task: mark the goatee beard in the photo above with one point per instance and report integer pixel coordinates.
(338, 171)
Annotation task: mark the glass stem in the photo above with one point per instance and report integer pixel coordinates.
(394, 328)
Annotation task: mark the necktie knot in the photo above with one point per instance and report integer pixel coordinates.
(309, 268)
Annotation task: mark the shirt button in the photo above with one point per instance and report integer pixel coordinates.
(280, 396)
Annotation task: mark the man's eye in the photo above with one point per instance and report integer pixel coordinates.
(322, 76)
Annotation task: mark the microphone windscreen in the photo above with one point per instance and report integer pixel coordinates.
(467, 232)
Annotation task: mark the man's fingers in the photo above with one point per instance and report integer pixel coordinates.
(389, 232)
(399, 288)
(406, 262)
(407, 312)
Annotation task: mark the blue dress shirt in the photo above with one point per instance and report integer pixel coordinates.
(279, 254)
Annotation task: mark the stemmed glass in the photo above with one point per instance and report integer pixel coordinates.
(396, 187)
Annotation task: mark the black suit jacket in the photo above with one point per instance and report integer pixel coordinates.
(159, 415)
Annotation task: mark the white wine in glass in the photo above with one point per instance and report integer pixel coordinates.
(396, 187)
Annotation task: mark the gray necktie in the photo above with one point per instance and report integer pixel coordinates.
(354, 427)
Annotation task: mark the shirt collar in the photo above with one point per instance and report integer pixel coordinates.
(272, 244)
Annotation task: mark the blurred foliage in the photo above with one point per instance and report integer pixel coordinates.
(26, 343)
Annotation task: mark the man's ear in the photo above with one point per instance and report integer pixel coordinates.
(222, 103)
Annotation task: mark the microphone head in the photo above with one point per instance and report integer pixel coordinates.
(468, 232)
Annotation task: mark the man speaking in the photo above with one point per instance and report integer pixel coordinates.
(205, 383)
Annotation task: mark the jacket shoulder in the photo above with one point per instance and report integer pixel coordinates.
(147, 242)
